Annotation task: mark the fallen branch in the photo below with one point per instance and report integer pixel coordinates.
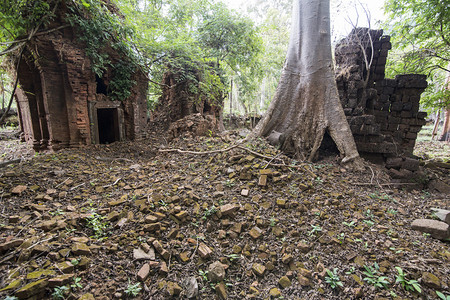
(199, 152)
(113, 184)
(387, 184)
(77, 186)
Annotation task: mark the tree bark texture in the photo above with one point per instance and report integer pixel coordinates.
(306, 103)
(445, 135)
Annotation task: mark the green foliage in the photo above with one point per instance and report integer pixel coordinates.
(351, 224)
(99, 29)
(15, 298)
(133, 289)
(315, 228)
(60, 292)
(202, 42)
(76, 283)
(95, 222)
(442, 296)
(204, 275)
(209, 212)
(333, 279)
(373, 278)
(409, 285)
(419, 31)
(19, 17)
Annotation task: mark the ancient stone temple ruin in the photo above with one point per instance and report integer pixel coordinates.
(63, 103)
(182, 108)
(383, 113)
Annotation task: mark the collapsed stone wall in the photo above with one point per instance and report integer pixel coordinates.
(179, 102)
(383, 113)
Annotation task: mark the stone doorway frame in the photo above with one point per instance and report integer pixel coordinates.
(94, 106)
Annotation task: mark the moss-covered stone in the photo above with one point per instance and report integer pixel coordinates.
(31, 289)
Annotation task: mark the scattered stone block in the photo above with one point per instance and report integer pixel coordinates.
(216, 272)
(229, 209)
(139, 254)
(32, 289)
(11, 244)
(60, 280)
(18, 189)
(221, 290)
(262, 180)
(442, 214)
(431, 280)
(437, 229)
(275, 293)
(143, 272)
(152, 227)
(204, 251)
(81, 249)
(258, 269)
(173, 289)
(255, 233)
(284, 282)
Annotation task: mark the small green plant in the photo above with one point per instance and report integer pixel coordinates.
(351, 271)
(74, 261)
(209, 212)
(57, 212)
(426, 234)
(333, 278)
(59, 292)
(369, 223)
(163, 203)
(341, 237)
(95, 222)
(442, 296)
(133, 289)
(351, 224)
(232, 257)
(380, 196)
(408, 285)
(76, 283)
(392, 211)
(229, 183)
(315, 228)
(373, 278)
(369, 214)
(203, 274)
(273, 222)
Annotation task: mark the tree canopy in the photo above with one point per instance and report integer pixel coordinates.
(181, 35)
(419, 30)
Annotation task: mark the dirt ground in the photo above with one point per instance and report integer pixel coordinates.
(136, 220)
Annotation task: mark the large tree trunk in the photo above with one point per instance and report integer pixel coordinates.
(306, 103)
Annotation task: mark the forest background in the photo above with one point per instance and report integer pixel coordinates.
(235, 51)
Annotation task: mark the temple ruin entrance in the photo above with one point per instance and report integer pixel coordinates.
(108, 125)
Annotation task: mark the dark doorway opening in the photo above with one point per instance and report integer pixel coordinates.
(101, 86)
(108, 125)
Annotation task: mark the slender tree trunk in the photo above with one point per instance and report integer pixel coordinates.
(231, 97)
(306, 103)
(445, 135)
(436, 124)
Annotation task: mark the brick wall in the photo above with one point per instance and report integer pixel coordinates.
(383, 113)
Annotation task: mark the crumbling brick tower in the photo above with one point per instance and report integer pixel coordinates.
(383, 113)
(62, 103)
